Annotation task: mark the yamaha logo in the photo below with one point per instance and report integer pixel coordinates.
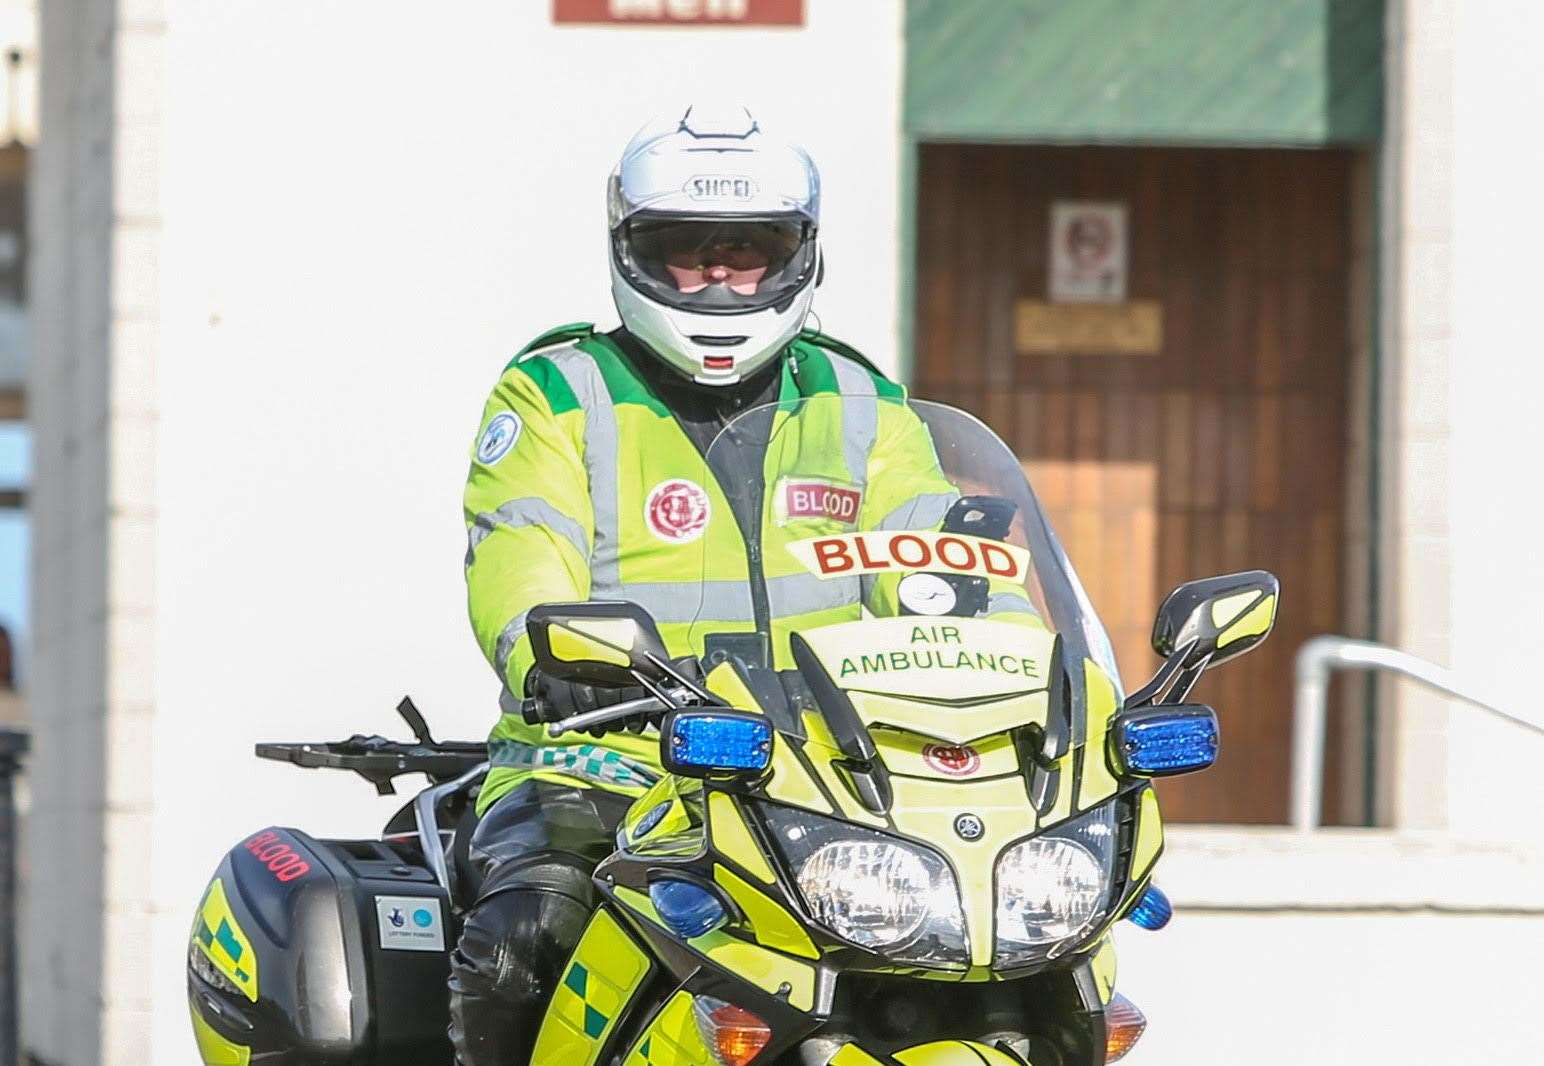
(721, 187)
(969, 826)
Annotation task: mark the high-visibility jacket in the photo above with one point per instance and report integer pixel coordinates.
(583, 486)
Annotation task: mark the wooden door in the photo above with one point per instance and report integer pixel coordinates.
(1224, 450)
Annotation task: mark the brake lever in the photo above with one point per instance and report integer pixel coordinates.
(600, 716)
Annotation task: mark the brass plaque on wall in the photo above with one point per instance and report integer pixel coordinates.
(1132, 328)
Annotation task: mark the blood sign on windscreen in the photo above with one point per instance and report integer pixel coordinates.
(877, 553)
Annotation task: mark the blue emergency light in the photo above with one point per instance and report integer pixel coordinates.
(688, 909)
(1162, 741)
(716, 743)
(1153, 910)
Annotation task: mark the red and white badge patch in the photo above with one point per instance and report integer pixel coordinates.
(677, 511)
(955, 760)
(817, 499)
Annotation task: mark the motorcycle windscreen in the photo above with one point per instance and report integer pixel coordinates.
(858, 507)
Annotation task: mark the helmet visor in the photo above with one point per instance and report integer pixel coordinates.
(716, 265)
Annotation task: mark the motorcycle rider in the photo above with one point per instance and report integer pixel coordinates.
(588, 482)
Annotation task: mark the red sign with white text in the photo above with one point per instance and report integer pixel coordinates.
(680, 12)
(875, 553)
(820, 499)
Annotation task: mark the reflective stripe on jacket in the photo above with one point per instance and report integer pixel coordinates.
(583, 486)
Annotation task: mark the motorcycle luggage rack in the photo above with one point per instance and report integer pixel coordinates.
(380, 760)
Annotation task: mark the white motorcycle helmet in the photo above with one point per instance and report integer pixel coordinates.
(714, 257)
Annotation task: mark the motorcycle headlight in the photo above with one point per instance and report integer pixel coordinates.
(1052, 888)
(891, 896)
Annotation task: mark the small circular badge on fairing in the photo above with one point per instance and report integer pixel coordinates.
(969, 826)
(926, 594)
(956, 760)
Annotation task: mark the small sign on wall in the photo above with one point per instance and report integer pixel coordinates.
(1042, 328)
(1088, 252)
(680, 12)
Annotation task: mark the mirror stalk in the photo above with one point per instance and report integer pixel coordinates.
(1170, 678)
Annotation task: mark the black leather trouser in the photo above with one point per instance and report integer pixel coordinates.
(535, 850)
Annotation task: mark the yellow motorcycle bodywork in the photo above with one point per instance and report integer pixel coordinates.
(630, 964)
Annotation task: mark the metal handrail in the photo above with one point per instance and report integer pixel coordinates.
(1315, 661)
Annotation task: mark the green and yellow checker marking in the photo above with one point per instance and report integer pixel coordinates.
(672, 1038)
(605, 971)
(217, 935)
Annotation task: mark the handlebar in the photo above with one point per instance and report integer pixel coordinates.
(379, 760)
(534, 712)
(602, 715)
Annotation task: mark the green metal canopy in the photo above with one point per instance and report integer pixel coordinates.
(1295, 72)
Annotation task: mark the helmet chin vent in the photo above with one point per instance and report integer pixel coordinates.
(717, 342)
(718, 362)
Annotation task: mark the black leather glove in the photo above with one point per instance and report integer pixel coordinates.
(557, 700)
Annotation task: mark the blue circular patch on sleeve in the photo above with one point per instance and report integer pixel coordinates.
(499, 436)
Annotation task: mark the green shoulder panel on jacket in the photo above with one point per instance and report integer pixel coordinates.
(530, 362)
(813, 351)
(545, 374)
(569, 334)
(622, 382)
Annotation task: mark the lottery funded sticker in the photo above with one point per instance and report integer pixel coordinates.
(410, 923)
(677, 511)
(955, 760)
(500, 435)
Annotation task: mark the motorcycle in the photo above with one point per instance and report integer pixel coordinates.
(901, 836)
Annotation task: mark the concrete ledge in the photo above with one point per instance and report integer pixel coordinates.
(1269, 869)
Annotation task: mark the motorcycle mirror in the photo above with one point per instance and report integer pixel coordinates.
(1217, 618)
(981, 516)
(609, 643)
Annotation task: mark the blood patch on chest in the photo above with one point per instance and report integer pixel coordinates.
(812, 498)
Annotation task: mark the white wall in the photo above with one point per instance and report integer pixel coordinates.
(82, 828)
(1334, 989)
(365, 214)
(1497, 408)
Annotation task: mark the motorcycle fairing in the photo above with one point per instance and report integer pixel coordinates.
(1148, 842)
(214, 1049)
(598, 985)
(671, 1038)
(954, 1053)
(1102, 965)
(774, 973)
